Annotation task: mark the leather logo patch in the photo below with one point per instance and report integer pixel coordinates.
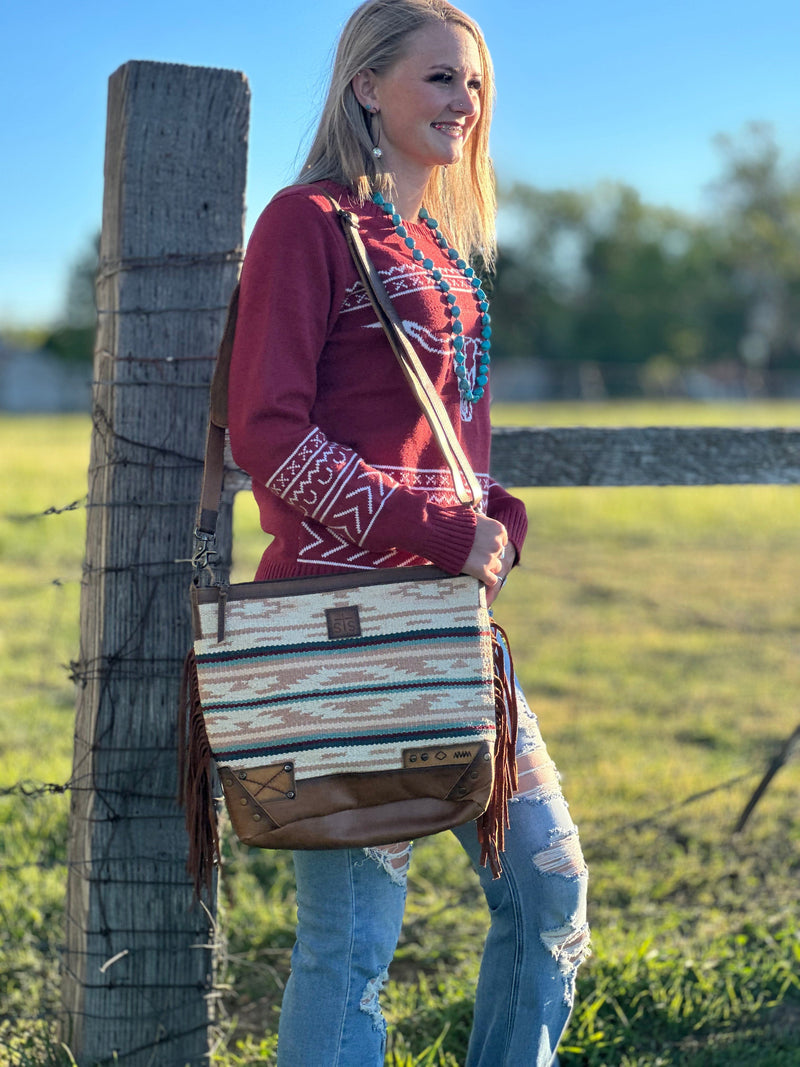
(343, 622)
(443, 756)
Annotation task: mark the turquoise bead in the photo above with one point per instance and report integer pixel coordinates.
(468, 395)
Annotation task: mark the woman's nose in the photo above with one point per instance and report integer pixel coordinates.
(465, 102)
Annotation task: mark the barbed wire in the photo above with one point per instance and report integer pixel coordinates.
(75, 505)
(693, 798)
(157, 361)
(32, 790)
(150, 385)
(151, 311)
(166, 1037)
(108, 266)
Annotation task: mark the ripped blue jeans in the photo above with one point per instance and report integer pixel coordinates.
(350, 905)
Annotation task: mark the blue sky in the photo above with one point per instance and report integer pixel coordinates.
(587, 90)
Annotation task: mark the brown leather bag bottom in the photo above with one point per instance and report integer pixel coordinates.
(438, 788)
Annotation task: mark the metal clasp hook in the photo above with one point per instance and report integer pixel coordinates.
(205, 556)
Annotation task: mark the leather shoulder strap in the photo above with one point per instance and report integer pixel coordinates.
(214, 465)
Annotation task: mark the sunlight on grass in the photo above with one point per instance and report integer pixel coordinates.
(656, 633)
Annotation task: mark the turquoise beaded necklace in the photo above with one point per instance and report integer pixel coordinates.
(470, 394)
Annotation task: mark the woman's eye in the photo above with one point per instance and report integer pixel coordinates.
(445, 77)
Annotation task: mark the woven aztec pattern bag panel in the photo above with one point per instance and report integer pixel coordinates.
(344, 681)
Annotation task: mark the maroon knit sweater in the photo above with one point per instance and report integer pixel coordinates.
(345, 470)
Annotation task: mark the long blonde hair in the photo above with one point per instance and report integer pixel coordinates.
(461, 196)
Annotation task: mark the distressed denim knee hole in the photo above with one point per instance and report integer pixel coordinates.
(569, 947)
(563, 855)
(394, 859)
(537, 777)
(370, 1000)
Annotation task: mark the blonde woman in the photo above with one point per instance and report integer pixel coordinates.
(347, 477)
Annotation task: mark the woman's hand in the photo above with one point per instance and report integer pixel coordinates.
(491, 556)
(507, 561)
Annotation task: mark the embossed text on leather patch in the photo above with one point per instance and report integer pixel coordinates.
(343, 622)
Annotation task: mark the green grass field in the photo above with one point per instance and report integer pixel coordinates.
(657, 633)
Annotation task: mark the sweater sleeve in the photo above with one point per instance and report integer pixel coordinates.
(293, 283)
(509, 510)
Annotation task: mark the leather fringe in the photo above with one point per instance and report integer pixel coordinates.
(195, 777)
(492, 824)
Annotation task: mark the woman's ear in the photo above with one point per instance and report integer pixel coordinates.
(365, 87)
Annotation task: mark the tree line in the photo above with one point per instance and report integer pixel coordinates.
(644, 294)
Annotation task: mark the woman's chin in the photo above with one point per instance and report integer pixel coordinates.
(450, 156)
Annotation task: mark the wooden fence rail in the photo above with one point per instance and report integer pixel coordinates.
(653, 455)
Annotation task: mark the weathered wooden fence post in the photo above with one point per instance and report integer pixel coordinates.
(138, 967)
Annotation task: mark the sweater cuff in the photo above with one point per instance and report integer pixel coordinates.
(515, 520)
(449, 536)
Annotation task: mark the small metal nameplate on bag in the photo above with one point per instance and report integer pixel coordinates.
(343, 622)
